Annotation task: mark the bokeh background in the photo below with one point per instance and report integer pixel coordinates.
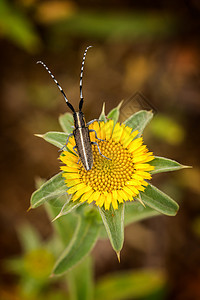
(147, 46)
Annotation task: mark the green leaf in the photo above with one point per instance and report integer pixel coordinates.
(66, 122)
(50, 190)
(80, 281)
(139, 120)
(114, 223)
(81, 244)
(163, 164)
(68, 207)
(159, 201)
(135, 211)
(102, 115)
(129, 285)
(114, 113)
(58, 139)
(65, 226)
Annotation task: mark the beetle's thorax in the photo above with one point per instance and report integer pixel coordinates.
(79, 120)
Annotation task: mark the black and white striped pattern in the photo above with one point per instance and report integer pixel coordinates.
(54, 79)
(81, 76)
(81, 131)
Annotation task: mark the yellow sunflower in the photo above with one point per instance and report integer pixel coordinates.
(114, 180)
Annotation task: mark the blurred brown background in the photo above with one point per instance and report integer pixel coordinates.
(147, 46)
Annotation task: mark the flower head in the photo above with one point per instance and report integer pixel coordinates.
(110, 181)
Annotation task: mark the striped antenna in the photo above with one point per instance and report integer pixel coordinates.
(52, 76)
(81, 79)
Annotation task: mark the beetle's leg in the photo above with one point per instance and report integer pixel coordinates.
(75, 150)
(95, 120)
(94, 143)
(71, 134)
(92, 130)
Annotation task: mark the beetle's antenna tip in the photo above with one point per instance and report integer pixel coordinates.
(81, 78)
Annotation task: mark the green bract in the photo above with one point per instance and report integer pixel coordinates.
(87, 222)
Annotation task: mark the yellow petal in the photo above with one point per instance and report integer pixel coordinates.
(72, 164)
(141, 150)
(135, 144)
(71, 182)
(133, 189)
(114, 202)
(128, 191)
(86, 196)
(100, 201)
(115, 194)
(134, 134)
(76, 188)
(93, 197)
(102, 133)
(145, 183)
(127, 137)
(119, 197)
(97, 200)
(108, 200)
(70, 147)
(141, 158)
(92, 136)
(117, 132)
(82, 190)
(123, 195)
(127, 141)
(144, 175)
(136, 177)
(72, 175)
(67, 156)
(68, 169)
(72, 141)
(75, 197)
(126, 133)
(141, 188)
(96, 127)
(108, 129)
(146, 167)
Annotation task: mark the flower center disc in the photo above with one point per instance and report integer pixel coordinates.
(110, 174)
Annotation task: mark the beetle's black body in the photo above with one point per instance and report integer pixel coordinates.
(81, 132)
(82, 138)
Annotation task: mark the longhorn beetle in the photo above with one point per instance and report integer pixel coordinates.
(81, 130)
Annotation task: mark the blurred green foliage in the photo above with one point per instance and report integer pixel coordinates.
(123, 25)
(34, 266)
(196, 226)
(167, 129)
(18, 23)
(130, 285)
(17, 27)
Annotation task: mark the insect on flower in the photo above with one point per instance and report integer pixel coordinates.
(81, 131)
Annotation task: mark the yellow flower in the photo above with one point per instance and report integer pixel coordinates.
(109, 181)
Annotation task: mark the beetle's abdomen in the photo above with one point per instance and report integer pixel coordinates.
(84, 148)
